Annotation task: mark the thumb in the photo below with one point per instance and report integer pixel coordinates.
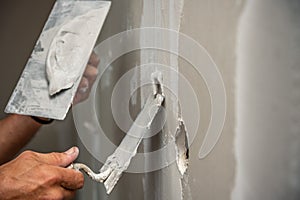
(61, 159)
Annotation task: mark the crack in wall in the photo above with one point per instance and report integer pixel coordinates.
(182, 148)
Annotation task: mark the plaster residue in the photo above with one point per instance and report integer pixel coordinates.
(182, 148)
(165, 14)
(182, 157)
(119, 161)
(157, 79)
(74, 39)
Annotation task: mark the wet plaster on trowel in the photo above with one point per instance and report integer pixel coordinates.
(73, 41)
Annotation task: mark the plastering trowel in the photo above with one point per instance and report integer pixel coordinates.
(53, 72)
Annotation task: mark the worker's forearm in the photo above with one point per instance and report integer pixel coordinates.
(15, 132)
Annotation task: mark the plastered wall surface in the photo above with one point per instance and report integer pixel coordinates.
(213, 24)
(268, 141)
(255, 45)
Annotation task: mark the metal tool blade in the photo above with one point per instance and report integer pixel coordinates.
(119, 161)
(31, 96)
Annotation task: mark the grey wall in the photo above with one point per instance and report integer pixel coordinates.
(214, 25)
(268, 128)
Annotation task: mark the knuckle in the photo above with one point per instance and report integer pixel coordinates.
(84, 82)
(49, 177)
(94, 59)
(28, 155)
(50, 180)
(56, 157)
(94, 71)
(91, 71)
(76, 182)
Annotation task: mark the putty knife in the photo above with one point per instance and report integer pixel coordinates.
(119, 161)
(67, 40)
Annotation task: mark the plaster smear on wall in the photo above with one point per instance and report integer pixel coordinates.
(182, 148)
(182, 158)
(163, 14)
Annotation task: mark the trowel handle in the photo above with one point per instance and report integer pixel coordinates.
(82, 167)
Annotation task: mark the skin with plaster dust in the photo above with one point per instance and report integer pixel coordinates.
(64, 61)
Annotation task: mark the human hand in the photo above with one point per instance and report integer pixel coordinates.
(88, 79)
(40, 176)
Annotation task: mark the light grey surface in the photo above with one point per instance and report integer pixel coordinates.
(31, 96)
(267, 145)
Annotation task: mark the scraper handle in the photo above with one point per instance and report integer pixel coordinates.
(101, 177)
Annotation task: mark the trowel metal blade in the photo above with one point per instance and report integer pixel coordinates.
(31, 95)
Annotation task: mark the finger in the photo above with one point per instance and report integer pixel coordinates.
(90, 73)
(83, 85)
(79, 97)
(82, 91)
(60, 159)
(71, 179)
(60, 193)
(94, 59)
(68, 194)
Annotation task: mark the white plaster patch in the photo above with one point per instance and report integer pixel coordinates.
(182, 151)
